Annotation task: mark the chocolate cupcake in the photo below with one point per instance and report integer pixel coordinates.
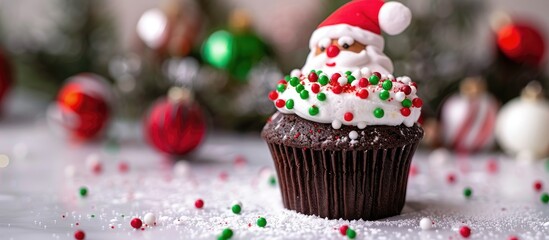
(345, 132)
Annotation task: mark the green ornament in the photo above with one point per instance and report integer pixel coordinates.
(374, 79)
(323, 80)
(227, 233)
(544, 198)
(294, 81)
(304, 94)
(313, 110)
(387, 85)
(384, 95)
(350, 78)
(321, 97)
(378, 112)
(467, 192)
(262, 222)
(299, 88)
(290, 104)
(272, 181)
(351, 234)
(281, 87)
(236, 209)
(406, 103)
(83, 192)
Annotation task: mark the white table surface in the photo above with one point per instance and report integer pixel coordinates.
(39, 199)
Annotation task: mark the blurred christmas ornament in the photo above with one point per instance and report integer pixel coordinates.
(237, 49)
(5, 76)
(468, 118)
(172, 28)
(83, 106)
(176, 124)
(521, 127)
(522, 43)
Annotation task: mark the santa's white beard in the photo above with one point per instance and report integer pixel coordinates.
(346, 60)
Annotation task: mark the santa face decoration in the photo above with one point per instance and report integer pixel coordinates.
(350, 39)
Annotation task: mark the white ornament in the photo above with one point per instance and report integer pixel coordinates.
(426, 224)
(342, 81)
(295, 73)
(394, 17)
(150, 219)
(336, 124)
(400, 96)
(361, 125)
(353, 135)
(152, 26)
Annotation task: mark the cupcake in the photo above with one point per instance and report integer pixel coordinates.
(346, 129)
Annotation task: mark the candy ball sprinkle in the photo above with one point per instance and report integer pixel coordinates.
(465, 231)
(199, 203)
(150, 219)
(343, 230)
(538, 186)
(236, 208)
(351, 234)
(467, 192)
(227, 233)
(426, 224)
(262, 222)
(79, 235)
(544, 198)
(136, 223)
(83, 191)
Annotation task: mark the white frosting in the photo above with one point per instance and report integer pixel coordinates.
(333, 109)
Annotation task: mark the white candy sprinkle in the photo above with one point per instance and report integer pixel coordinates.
(353, 135)
(414, 90)
(390, 76)
(295, 73)
(354, 83)
(4, 161)
(70, 171)
(149, 219)
(365, 72)
(400, 96)
(405, 80)
(237, 203)
(426, 224)
(361, 125)
(336, 124)
(342, 81)
(356, 74)
(181, 168)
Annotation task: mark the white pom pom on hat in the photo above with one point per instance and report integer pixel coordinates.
(394, 17)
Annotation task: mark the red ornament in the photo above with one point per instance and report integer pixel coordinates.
(521, 43)
(79, 235)
(405, 112)
(82, 109)
(136, 223)
(417, 102)
(337, 89)
(465, 231)
(280, 103)
(363, 82)
(5, 76)
(313, 77)
(363, 93)
(175, 126)
(273, 95)
(348, 116)
(199, 203)
(343, 230)
(538, 186)
(315, 88)
(406, 89)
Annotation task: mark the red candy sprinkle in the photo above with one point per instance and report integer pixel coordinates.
(451, 178)
(513, 237)
(280, 103)
(123, 167)
(363, 93)
(79, 235)
(414, 85)
(406, 89)
(348, 116)
(405, 112)
(363, 82)
(136, 223)
(465, 231)
(199, 203)
(343, 230)
(378, 75)
(282, 82)
(417, 102)
(313, 77)
(315, 88)
(334, 78)
(337, 89)
(273, 95)
(538, 185)
(413, 170)
(492, 166)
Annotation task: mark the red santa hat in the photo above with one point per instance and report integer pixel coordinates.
(363, 20)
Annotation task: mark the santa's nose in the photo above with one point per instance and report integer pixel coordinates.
(332, 51)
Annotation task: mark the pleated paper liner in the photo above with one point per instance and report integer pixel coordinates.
(366, 185)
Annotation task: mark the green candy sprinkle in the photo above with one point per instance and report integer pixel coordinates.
(304, 94)
(313, 110)
(348, 73)
(83, 192)
(287, 78)
(321, 97)
(374, 79)
(261, 222)
(299, 88)
(294, 81)
(272, 181)
(350, 78)
(312, 71)
(387, 85)
(236, 209)
(467, 192)
(281, 87)
(323, 80)
(378, 113)
(547, 165)
(406, 103)
(544, 198)
(384, 95)
(351, 234)
(227, 233)
(290, 104)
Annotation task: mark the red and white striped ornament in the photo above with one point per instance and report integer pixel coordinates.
(468, 120)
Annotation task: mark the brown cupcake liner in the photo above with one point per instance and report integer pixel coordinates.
(366, 185)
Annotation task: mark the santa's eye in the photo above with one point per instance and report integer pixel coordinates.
(345, 42)
(324, 43)
(322, 49)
